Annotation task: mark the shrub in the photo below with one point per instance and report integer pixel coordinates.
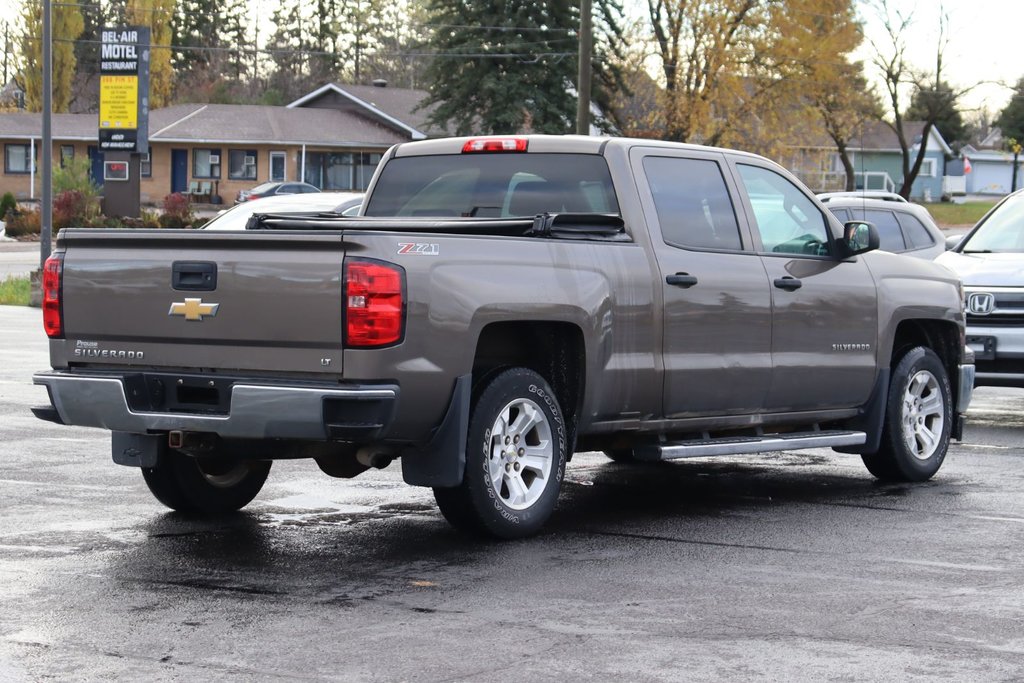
(7, 204)
(177, 211)
(74, 175)
(71, 210)
(23, 223)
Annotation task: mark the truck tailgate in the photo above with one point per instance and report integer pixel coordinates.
(254, 302)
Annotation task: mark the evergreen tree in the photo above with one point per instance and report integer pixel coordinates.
(1011, 119)
(67, 25)
(940, 105)
(502, 66)
(289, 54)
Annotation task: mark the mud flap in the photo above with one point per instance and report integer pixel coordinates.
(137, 450)
(442, 462)
(872, 417)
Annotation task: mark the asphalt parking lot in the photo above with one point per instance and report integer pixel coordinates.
(785, 566)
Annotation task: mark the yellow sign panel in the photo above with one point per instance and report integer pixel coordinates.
(119, 101)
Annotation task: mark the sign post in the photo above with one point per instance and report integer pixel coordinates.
(124, 115)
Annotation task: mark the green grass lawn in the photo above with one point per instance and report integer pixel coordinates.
(968, 213)
(14, 291)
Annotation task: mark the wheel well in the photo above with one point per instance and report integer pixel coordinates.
(554, 350)
(941, 337)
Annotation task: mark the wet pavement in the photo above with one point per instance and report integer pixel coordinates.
(785, 566)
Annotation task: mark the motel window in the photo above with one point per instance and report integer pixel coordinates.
(206, 163)
(146, 166)
(67, 155)
(17, 159)
(242, 164)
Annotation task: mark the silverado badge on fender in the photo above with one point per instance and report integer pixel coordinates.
(193, 309)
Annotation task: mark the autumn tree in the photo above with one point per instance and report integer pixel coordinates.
(158, 15)
(703, 49)
(66, 26)
(835, 87)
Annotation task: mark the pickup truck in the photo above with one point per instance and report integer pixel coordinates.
(498, 304)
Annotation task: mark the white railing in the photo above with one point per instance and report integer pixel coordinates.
(833, 181)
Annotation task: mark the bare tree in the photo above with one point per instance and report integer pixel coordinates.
(900, 77)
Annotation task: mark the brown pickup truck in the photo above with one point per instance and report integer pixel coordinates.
(499, 304)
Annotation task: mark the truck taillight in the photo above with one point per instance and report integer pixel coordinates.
(374, 303)
(495, 145)
(53, 315)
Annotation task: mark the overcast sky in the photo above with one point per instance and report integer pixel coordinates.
(985, 44)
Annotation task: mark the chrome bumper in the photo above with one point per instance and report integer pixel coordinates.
(257, 411)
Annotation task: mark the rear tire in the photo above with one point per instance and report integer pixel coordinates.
(208, 485)
(515, 459)
(918, 420)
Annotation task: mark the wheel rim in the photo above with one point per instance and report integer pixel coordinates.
(923, 415)
(223, 475)
(521, 452)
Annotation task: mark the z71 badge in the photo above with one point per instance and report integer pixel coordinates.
(421, 248)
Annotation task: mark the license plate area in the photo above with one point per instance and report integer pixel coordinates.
(984, 347)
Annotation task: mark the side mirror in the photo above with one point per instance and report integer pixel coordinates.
(859, 237)
(952, 241)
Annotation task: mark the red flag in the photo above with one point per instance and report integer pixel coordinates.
(967, 165)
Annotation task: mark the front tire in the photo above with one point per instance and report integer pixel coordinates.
(515, 459)
(207, 485)
(918, 420)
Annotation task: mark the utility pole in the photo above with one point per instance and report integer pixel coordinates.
(46, 213)
(7, 50)
(583, 80)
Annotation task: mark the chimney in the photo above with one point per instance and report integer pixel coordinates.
(379, 83)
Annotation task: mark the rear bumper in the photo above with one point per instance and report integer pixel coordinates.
(255, 410)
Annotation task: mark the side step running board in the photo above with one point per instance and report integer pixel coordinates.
(750, 444)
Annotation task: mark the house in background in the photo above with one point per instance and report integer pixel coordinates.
(876, 158)
(332, 138)
(991, 166)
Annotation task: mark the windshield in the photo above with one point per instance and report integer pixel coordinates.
(1002, 230)
(493, 186)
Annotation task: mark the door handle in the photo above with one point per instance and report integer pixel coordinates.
(788, 283)
(683, 280)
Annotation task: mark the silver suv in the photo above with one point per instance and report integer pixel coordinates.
(903, 228)
(990, 262)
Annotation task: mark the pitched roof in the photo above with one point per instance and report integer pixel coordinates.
(874, 136)
(396, 107)
(224, 123)
(278, 125)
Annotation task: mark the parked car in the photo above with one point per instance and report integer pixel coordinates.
(904, 228)
(271, 189)
(884, 195)
(235, 218)
(990, 262)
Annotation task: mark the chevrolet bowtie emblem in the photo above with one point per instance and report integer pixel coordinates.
(193, 309)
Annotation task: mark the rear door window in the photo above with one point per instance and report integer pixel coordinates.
(916, 234)
(693, 203)
(889, 232)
